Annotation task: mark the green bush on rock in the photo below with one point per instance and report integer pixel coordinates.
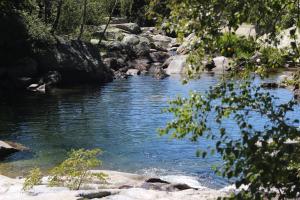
(33, 178)
(71, 173)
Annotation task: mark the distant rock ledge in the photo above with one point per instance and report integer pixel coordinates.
(119, 186)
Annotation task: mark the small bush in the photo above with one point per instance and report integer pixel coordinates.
(272, 57)
(71, 173)
(74, 171)
(231, 45)
(34, 178)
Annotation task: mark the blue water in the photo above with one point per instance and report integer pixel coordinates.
(121, 118)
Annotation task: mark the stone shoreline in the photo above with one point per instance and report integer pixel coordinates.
(119, 186)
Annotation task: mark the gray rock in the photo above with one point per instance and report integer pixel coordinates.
(8, 148)
(160, 74)
(187, 44)
(95, 195)
(76, 61)
(142, 49)
(130, 27)
(33, 86)
(221, 64)
(162, 41)
(114, 63)
(119, 75)
(52, 78)
(244, 30)
(167, 62)
(131, 40)
(159, 56)
(140, 64)
(177, 65)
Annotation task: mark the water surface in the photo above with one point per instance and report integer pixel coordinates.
(121, 118)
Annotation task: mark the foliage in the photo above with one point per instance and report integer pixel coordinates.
(272, 57)
(260, 157)
(71, 173)
(231, 45)
(37, 30)
(34, 178)
(74, 171)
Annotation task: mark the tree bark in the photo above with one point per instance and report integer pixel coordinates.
(47, 12)
(83, 20)
(58, 13)
(108, 22)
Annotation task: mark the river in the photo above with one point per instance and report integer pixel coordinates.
(121, 118)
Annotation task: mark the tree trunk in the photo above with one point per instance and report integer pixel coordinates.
(47, 12)
(58, 13)
(83, 20)
(108, 22)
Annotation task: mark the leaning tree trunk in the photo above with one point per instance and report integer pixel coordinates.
(83, 20)
(58, 13)
(108, 22)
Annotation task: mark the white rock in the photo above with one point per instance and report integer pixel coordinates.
(11, 189)
(246, 30)
(221, 64)
(177, 65)
(133, 72)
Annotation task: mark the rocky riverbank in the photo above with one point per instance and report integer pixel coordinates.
(119, 186)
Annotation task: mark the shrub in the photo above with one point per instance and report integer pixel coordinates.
(273, 57)
(71, 173)
(34, 178)
(232, 45)
(74, 171)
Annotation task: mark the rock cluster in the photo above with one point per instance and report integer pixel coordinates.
(131, 50)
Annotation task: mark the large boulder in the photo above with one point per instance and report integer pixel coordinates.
(76, 61)
(177, 65)
(8, 148)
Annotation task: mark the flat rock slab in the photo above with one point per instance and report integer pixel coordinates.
(114, 189)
